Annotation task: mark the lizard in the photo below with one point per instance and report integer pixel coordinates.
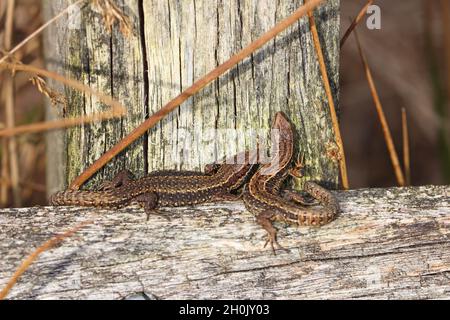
(166, 188)
(262, 195)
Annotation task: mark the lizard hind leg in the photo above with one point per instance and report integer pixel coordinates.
(324, 196)
(264, 219)
(225, 196)
(149, 201)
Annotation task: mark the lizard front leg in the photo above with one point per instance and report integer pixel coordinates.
(120, 179)
(149, 201)
(295, 196)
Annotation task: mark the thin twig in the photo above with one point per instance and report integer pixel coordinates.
(33, 256)
(60, 124)
(4, 162)
(405, 139)
(117, 108)
(8, 96)
(326, 84)
(35, 33)
(355, 22)
(197, 86)
(384, 125)
(4, 174)
(112, 15)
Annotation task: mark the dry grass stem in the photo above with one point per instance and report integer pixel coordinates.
(38, 31)
(384, 125)
(8, 98)
(117, 106)
(33, 256)
(112, 14)
(355, 22)
(117, 109)
(55, 97)
(4, 174)
(60, 124)
(334, 119)
(406, 156)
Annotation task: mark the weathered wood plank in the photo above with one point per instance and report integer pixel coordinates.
(387, 243)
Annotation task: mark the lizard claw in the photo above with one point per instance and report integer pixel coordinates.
(272, 239)
(297, 170)
(269, 239)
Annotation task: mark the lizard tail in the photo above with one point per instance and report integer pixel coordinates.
(85, 199)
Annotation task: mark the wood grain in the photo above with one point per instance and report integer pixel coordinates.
(386, 244)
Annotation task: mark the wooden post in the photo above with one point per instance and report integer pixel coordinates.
(174, 43)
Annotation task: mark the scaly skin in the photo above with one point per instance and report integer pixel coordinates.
(163, 188)
(262, 195)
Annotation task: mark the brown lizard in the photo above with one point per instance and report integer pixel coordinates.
(165, 188)
(262, 195)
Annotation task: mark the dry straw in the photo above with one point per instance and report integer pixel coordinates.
(381, 116)
(334, 119)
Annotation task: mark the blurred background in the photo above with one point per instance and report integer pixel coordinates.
(409, 58)
(410, 61)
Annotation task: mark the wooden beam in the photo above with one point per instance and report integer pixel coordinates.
(386, 243)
